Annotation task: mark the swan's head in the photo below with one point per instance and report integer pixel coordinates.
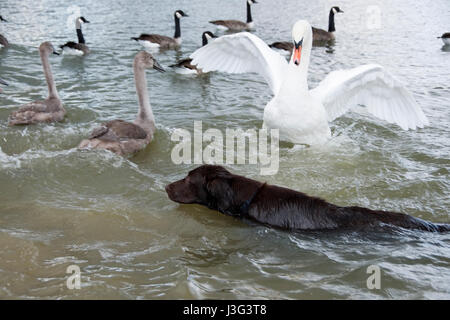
(179, 13)
(4, 83)
(47, 48)
(2, 19)
(250, 2)
(336, 10)
(301, 34)
(145, 60)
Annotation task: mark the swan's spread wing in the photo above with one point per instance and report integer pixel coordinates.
(373, 87)
(240, 53)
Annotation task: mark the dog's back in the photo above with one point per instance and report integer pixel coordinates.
(290, 209)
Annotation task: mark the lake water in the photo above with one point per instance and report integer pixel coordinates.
(111, 216)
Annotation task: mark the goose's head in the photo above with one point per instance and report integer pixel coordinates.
(301, 36)
(336, 10)
(250, 2)
(3, 19)
(47, 48)
(4, 83)
(146, 61)
(206, 36)
(82, 20)
(179, 14)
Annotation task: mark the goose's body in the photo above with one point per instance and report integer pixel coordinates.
(185, 66)
(300, 114)
(48, 110)
(445, 38)
(80, 48)
(122, 137)
(4, 83)
(156, 41)
(319, 35)
(284, 47)
(3, 41)
(75, 49)
(236, 25)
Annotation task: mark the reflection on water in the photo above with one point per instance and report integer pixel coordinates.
(111, 216)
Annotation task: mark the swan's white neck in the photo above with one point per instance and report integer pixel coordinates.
(145, 116)
(300, 72)
(52, 92)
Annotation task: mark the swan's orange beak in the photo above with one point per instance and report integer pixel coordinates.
(297, 55)
(297, 52)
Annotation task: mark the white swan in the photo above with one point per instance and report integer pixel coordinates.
(300, 114)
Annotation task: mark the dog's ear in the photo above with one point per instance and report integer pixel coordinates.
(220, 194)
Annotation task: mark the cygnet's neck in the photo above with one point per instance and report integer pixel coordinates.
(145, 116)
(52, 92)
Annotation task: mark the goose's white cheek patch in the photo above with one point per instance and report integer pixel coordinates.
(148, 44)
(72, 52)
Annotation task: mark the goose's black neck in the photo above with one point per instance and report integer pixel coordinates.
(249, 13)
(177, 27)
(331, 27)
(204, 40)
(80, 36)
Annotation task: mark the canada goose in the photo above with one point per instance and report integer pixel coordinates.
(445, 38)
(122, 137)
(4, 83)
(301, 114)
(284, 47)
(184, 66)
(322, 35)
(319, 35)
(80, 48)
(3, 41)
(152, 41)
(236, 25)
(49, 110)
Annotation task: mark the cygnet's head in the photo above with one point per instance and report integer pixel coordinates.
(146, 60)
(47, 48)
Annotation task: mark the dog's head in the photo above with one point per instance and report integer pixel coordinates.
(208, 185)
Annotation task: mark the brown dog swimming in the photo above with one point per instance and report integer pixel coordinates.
(218, 189)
